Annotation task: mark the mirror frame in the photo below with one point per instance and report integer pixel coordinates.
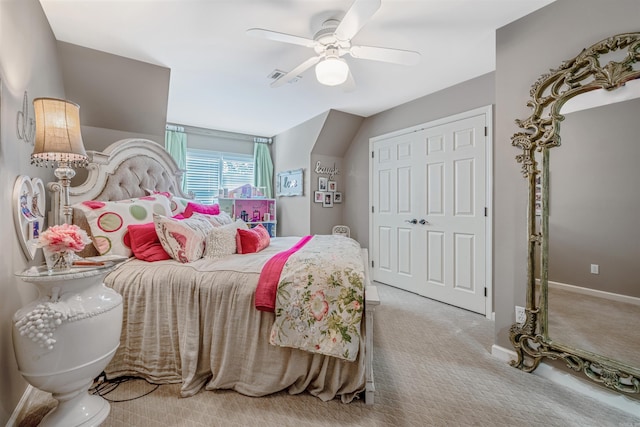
(549, 93)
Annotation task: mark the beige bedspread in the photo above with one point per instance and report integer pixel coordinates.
(184, 324)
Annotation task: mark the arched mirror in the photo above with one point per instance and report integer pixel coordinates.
(583, 279)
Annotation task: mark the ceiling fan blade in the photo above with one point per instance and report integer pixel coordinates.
(396, 56)
(281, 37)
(355, 18)
(296, 71)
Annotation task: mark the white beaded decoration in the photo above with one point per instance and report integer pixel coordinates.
(40, 324)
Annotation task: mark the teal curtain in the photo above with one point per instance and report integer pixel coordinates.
(176, 144)
(263, 168)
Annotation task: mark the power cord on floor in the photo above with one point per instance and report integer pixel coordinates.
(103, 386)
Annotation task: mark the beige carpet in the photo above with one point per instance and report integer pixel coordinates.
(433, 367)
(595, 324)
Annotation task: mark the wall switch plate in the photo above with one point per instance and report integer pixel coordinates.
(521, 316)
(595, 269)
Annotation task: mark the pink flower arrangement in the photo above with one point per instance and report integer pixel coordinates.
(62, 238)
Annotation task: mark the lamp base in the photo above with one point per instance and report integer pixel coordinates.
(65, 338)
(81, 409)
(65, 173)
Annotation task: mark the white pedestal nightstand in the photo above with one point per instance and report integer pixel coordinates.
(65, 339)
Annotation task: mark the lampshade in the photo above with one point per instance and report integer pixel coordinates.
(58, 137)
(332, 71)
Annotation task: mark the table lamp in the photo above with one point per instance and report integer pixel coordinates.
(58, 142)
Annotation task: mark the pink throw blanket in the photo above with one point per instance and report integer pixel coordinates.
(270, 276)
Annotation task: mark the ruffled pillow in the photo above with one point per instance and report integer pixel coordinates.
(183, 240)
(222, 218)
(203, 209)
(221, 241)
(145, 243)
(108, 221)
(252, 240)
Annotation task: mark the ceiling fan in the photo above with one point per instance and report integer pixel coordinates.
(333, 41)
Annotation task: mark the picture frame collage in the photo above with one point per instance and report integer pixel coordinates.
(327, 192)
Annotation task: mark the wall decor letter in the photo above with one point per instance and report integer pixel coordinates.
(325, 170)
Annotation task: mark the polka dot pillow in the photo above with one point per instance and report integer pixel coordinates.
(108, 221)
(178, 204)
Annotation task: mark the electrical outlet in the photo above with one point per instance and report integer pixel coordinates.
(521, 316)
(595, 269)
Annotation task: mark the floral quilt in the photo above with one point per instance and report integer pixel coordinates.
(320, 298)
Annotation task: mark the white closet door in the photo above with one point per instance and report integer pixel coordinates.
(436, 176)
(399, 244)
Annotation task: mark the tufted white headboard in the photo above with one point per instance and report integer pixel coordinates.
(124, 170)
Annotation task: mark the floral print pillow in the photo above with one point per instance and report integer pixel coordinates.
(183, 239)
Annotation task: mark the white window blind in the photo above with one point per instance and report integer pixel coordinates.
(208, 171)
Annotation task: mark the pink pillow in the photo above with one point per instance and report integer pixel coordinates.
(203, 209)
(145, 243)
(252, 240)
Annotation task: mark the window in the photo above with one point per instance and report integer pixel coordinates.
(208, 171)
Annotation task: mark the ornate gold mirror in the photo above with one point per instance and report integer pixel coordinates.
(583, 272)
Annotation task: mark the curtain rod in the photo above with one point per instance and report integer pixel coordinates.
(262, 140)
(175, 128)
(218, 133)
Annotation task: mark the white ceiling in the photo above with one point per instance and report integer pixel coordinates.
(219, 73)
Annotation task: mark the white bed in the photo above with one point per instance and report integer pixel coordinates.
(196, 323)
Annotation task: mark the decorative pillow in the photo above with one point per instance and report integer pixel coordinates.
(221, 241)
(178, 204)
(183, 239)
(222, 218)
(145, 243)
(203, 209)
(252, 240)
(108, 221)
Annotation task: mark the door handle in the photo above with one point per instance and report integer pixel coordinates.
(424, 221)
(413, 221)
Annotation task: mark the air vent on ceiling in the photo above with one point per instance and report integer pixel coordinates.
(276, 74)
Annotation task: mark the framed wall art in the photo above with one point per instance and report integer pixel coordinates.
(337, 197)
(28, 212)
(322, 183)
(290, 183)
(332, 185)
(327, 201)
(318, 196)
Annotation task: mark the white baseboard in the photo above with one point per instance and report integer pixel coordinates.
(504, 354)
(575, 383)
(20, 406)
(594, 292)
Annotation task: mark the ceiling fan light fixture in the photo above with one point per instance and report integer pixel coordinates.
(332, 71)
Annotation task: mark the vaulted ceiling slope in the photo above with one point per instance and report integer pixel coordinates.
(219, 73)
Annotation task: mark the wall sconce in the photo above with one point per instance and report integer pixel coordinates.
(58, 141)
(24, 123)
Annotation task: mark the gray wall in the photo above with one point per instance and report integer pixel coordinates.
(115, 93)
(28, 61)
(593, 212)
(337, 133)
(475, 93)
(118, 98)
(524, 52)
(323, 219)
(292, 150)
(324, 138)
